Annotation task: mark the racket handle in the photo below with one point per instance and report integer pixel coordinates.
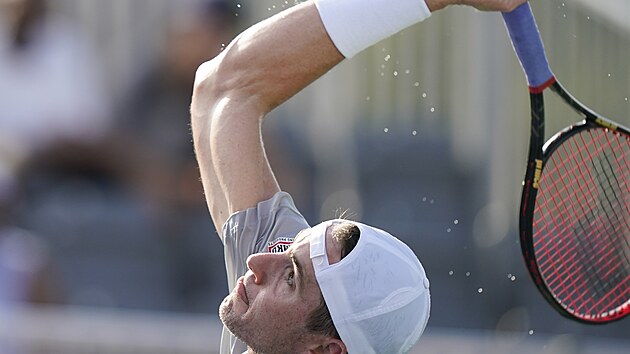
(529, 47)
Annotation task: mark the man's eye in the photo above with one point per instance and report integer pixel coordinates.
(290, 278)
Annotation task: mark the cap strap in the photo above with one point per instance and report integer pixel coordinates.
(318, 247)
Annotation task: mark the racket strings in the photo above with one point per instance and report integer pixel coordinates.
(582, 223)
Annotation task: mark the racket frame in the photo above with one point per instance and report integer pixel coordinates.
(539, 152)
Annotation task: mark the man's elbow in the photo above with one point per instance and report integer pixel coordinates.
(224, 76)
(205, 88)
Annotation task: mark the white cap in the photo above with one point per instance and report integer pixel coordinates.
(377, 295)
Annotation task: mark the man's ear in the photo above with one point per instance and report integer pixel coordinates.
(336, 348)
(332, 346)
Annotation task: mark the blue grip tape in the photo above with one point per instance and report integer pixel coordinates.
(529, 47)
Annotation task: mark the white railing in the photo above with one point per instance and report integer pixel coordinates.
(75, 330)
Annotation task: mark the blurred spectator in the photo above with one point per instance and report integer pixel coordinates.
(153, 135)
(155, 119)
(50, 91)
(52, 103)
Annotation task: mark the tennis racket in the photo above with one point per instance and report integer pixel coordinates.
(575, 207)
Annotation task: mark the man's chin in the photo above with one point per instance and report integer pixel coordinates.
(230, 318)
(226, 309)
(231, 313)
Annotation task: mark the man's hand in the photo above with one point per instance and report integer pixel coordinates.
(484, 5)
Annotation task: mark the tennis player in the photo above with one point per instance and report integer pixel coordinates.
(339, 286)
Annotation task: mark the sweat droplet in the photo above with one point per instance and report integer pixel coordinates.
(531, 331)
(480, 290)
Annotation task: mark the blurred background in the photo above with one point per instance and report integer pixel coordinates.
(106, 245)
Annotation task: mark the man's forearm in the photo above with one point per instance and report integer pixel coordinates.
(275, 59)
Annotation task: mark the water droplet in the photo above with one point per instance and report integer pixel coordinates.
(432, 109)
(386, 130)
(416, 84)
(367, 98)
(414, 133)
(456, 222)
(448, 230)
(467, 274)
(513, 278)
(387, 57)
(480, 290)
(395, 73)
(450, 272)
(424, 95)
(407, 71)
(432, 201)
(531, 331)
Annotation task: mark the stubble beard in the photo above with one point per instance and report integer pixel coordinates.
(227, 315)
(232, 322)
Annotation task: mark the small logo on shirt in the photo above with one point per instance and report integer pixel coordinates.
(279, 245)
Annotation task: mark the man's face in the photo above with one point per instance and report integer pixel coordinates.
(270, 304)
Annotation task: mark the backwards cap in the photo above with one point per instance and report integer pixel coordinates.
(377, 295)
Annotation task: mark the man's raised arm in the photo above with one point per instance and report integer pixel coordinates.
(261, 68)
(266, 65)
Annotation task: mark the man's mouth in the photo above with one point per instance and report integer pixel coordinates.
(240, 289)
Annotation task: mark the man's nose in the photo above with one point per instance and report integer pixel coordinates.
(261, 264)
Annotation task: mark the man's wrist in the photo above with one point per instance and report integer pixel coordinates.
(354, 25)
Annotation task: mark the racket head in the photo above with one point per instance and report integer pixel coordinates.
(575, 218)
